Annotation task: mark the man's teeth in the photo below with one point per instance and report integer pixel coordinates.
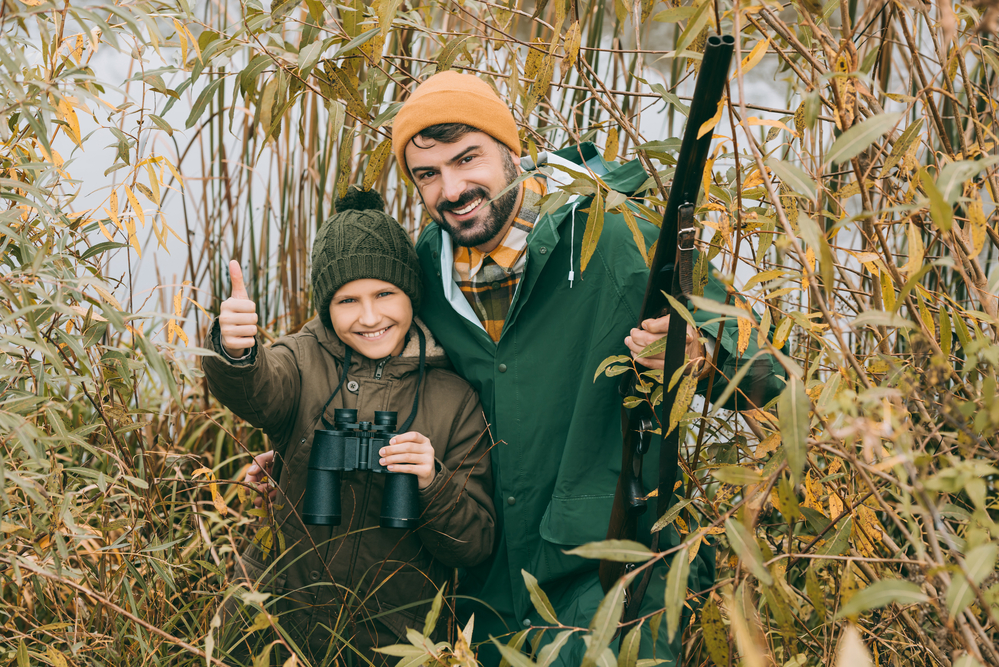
(373, 334)
(469, 208)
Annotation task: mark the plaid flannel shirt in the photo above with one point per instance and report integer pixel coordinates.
(489, 280)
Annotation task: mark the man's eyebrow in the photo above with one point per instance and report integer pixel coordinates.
(450, 161)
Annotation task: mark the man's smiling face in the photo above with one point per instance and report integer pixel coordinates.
(457, 182)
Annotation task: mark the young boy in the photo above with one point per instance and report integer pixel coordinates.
(338, 588)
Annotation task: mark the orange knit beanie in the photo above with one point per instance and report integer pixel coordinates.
(450, 97)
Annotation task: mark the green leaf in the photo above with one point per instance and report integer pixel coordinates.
(674, 14)
(793, 177)
(604, 623)
(816, 594)
(621, 551)
(882, 593)
(747, 550)
(549, 652)
(715, 636)
(435, 611)
(941, 212)
(792, 410)
(513, 656)
(450, 51)
(628, 654)
(619, 359)
(676, 591)
(840, 541)
(953, 176)
(737, 475)
(594, 226)
(902, 145)
(712, 306)
(539, 599)
(670, 515)
(203, 99)
(979, 563)
(856, 139)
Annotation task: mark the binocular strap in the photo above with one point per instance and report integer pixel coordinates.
(419, 382)
(343, 378)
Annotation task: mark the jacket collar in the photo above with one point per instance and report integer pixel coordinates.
(361, 366)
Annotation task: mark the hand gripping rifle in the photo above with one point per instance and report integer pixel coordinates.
(671, 272)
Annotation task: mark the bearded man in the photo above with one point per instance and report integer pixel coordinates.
(507, 299)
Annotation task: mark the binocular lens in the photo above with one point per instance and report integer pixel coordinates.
(344, 416)
(400, 501)
(385, 418)
(322, 502)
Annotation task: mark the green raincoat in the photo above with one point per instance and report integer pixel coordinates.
(557, 430)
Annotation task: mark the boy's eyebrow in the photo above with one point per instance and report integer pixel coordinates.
(449, 162)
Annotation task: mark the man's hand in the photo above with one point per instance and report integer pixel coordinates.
(255, 476)
(653, 330)
(238, 317)
(410, 452)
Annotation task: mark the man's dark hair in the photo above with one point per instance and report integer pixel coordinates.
(446, 133)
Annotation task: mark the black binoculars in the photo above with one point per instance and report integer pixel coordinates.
(354, 446)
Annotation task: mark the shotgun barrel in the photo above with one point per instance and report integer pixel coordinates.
(667, 274)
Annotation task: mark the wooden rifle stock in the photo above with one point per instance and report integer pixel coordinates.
(670, 272)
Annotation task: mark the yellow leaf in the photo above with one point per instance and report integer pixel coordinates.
(182, 38)
(55, 657)
(78, 49)
(813, 493)
(710, 123)
(134, 201)
(976, 216)
(200, 307)
(377, 163)
(573, 37)
(107, 296)
(835, 505)
(916, 250)
(132, 238)
(770, 123)
(610, 151)
(684, 395)
(176, 174)
(809, 267)
(706, 178)
(104, 230)
(69, 115)
(154, 184)
(636, 234)
(767, 445)
(745, 329)
(755, 56)
(591, 234)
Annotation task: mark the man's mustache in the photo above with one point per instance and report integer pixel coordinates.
(466, 198)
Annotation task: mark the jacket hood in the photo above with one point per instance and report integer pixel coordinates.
(407, 361)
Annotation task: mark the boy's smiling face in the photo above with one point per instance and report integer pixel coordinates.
(372, 317)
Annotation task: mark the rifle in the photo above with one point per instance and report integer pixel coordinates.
(671, 271)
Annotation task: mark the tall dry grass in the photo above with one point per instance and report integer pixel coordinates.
(854, 520)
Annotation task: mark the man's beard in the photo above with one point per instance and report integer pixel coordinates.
(489, 223)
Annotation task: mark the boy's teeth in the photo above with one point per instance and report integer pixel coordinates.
(373, 334)
(470, 207)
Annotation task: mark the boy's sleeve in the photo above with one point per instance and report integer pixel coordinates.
(459, 520)
(262, 387)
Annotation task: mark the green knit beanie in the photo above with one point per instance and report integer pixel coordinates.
(361, 241)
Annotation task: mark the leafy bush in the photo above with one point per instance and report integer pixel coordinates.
(854, 520)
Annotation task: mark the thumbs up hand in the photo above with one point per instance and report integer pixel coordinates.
(238, 316)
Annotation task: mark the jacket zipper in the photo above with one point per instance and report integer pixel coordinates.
(381, 367)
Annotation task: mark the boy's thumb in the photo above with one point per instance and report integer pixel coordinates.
(236, 276)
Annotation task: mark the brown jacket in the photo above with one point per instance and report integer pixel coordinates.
(346, 578)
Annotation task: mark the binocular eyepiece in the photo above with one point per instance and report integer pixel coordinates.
(354, 446)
